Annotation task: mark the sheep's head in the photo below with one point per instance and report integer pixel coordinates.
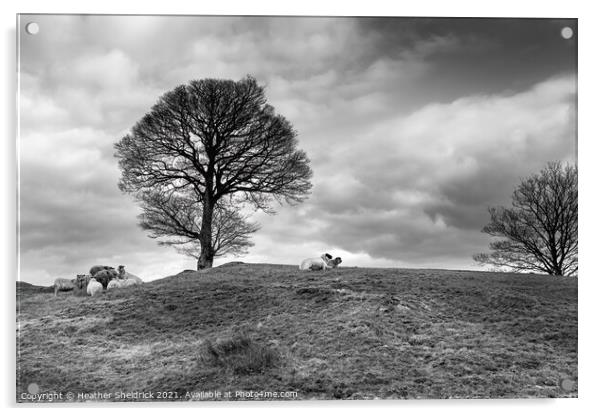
(81, 281)
(334, 263)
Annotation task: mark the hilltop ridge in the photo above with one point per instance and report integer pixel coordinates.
(343, 333)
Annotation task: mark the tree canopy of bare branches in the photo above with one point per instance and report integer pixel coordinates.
(539, 232)
(203, 149)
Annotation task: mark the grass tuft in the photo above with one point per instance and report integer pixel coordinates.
(240, 354)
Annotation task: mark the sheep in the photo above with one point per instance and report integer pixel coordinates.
(63, 285)
(129, 282)
(105, 276)
(317, 263)
(123, 279)
(128, 276)
(115, 284)
(334, 263)
(81, 281)
(94, 287)
(96, 269)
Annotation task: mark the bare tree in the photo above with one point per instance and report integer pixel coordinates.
(174, 221)
(214, 140)
(539, 232)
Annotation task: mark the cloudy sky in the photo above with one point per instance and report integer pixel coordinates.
(413, 127)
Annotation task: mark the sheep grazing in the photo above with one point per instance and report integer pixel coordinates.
(94, 287)
(105, 276)
(63, 285)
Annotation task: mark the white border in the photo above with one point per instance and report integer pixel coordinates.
(590, 111)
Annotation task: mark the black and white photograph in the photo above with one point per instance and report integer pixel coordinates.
(220, 208)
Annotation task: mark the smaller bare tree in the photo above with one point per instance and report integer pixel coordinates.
(173, 219)
(539, 232)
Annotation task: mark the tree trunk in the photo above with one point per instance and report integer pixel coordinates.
(206, 257)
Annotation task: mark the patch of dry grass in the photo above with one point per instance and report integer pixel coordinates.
(240, 354)
(347, 333)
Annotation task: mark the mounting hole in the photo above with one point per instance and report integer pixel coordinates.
(32, 28)
(566, 32)
(567, 385)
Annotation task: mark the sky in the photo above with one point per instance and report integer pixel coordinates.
(413, 126)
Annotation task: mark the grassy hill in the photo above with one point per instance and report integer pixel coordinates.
(347, 333)
(24, 288)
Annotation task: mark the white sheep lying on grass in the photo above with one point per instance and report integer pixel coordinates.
(94, 287)
(115, 284)
(320, 263)
(123, 280)
(120, 284)
(129, 282)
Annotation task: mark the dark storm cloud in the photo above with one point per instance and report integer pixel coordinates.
(511, 40)
(489, 55)
(413, 128)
